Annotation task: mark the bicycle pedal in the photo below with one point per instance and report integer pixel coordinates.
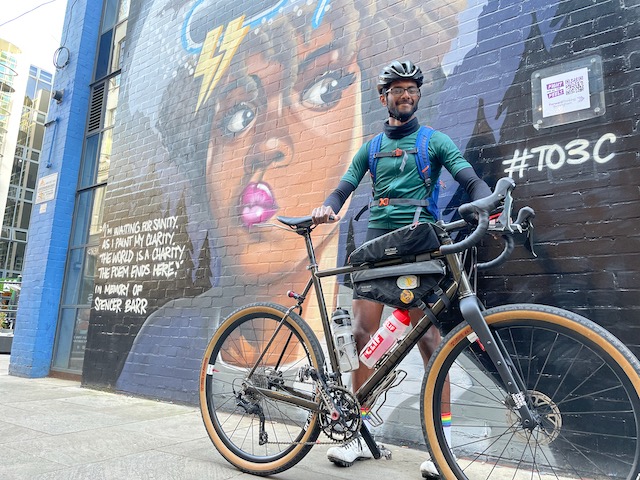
(384, 452)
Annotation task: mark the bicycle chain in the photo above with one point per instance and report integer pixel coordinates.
(304, 443)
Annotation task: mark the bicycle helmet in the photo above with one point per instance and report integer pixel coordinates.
(398, 70)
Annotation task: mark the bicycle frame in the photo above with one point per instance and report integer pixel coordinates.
(378, 382)
(470, 308)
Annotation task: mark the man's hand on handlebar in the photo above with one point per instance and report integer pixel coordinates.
(324, 214)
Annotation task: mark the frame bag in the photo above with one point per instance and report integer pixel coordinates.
(401, 286)
(402, 244)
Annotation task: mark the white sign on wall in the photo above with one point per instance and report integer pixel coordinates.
(564, 93)
(568, 92)
(47, 188)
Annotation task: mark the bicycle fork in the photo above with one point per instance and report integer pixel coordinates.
(471, 312)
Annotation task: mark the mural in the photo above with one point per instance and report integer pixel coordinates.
(233, 112)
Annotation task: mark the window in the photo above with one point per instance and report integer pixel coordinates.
(78, 283)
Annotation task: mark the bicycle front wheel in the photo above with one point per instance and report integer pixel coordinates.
(257, 434)
(581, 382)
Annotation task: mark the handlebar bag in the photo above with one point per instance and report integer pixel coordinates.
(401, 286)
(404, 244)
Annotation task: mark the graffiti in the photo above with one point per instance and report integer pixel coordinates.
(553, 157)
(257, 108)
(134, 251)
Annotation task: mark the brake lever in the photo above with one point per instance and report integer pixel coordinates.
(503, 222)
(530, 241)
(522, 223)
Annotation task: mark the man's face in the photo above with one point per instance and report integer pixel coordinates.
(401, 105)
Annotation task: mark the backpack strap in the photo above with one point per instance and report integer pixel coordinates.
(422, 155)
(374, 151)
(423, 164)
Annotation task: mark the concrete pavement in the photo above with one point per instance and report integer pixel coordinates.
(53, 429)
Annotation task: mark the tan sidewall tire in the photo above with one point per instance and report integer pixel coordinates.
(495, 317)
(281, 463)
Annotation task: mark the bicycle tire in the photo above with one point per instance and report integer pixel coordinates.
(581, 380)
(230, 354)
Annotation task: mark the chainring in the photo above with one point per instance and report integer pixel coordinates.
(349, 422)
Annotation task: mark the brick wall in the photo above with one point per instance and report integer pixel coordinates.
(209, 141)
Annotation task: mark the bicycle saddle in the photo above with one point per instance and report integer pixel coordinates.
(296, 222)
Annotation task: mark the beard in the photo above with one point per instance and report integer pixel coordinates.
(394, 112)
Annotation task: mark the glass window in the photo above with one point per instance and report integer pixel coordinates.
(95, 229)
(89, 161)
(32, 175)
(66, 325)
(31, 90)
(4, 250)
(73, 279)
(86, 288)
(45, 98)
(118, 46)
(124, 10)
(9, 210)
(18, 259)
(79, 340)
(105, 156)
(104, 52)
(79, 278)
(38, 136)
(82, 218)
(88, 217)
(109, 15)
(26, 215)
(112, 101)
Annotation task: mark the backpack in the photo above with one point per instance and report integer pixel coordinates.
(421, 152)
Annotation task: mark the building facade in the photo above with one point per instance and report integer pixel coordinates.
(20, 194)
(185, 125)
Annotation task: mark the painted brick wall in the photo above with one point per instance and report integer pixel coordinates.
(207, 143)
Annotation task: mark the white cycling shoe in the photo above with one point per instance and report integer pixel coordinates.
(428, 470)
(347, 454)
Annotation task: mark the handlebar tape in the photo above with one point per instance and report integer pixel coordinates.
(481, 209)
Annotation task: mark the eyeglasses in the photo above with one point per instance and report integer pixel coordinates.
(397, 91)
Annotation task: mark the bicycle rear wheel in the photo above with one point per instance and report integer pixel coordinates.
(581, 381)
(259, 435)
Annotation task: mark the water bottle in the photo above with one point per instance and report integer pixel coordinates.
(391, 330)
(344, 340)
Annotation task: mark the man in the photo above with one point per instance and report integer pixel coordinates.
(400, 198)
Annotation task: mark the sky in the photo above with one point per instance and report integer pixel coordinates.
(37, 31)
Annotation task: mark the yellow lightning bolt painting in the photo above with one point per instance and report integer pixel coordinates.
(210, 66)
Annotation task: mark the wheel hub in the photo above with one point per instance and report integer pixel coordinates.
(548, 413)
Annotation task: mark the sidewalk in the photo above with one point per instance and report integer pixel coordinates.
(52, 429)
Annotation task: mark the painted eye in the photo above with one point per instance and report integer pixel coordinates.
(326, 90)
(238, 119)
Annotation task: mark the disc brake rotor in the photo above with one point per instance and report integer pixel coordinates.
(550, 418)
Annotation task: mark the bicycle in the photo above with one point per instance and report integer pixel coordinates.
(536, 390)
